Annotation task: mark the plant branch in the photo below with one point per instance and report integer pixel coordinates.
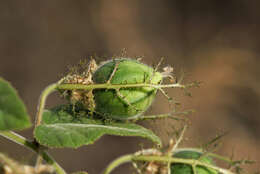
(117, 86)
(162, 159)
(165, 159)
(162, 116)
(178, 141)
(33, 147)
(40, 108)
(117, 162)
(56, 86)
(48, 90)
(38, 163)
(222, 158)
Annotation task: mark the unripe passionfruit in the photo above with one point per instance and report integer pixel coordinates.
(187, 169)
(124, 103)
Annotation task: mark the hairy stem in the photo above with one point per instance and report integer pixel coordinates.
(116, 86)
(167, 115)
(38, 163)
(162, 159)
(33, 147)
(117, 162)
(166, 159)
(48, 90)
(213, 155)
(51, 88)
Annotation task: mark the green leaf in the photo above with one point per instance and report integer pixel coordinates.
(13, 115)
(63, 128)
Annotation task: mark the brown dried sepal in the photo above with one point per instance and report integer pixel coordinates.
(84, 78)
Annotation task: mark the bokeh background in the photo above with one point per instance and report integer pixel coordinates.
(213, 41)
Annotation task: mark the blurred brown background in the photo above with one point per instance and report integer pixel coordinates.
(214, 41)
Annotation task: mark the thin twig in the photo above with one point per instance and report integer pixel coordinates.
(178, 140)
(118, 162)
(162, 159)
(165, 94)
(118, 86)
(49, 89)
(33, 147)
(162, 116)
(38, 163)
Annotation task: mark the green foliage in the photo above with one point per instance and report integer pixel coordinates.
(103, 100)
(63, 127)
(127, 102)
(13, 115)
(187, 169)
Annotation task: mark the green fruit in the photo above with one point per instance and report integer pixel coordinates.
(187, 169)
(129, 103)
